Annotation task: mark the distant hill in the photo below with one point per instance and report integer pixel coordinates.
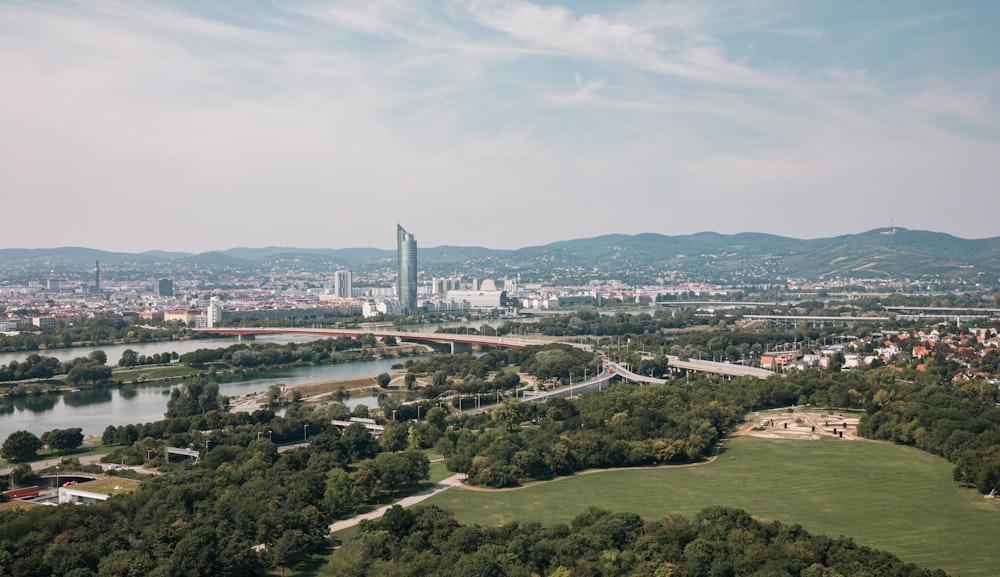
(744, 257)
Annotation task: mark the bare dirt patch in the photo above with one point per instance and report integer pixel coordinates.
(801, 425)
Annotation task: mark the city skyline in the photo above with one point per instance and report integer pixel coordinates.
(503, 123)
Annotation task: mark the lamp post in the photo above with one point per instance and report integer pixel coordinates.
(57, 477)
(305, 433)
(269, 435)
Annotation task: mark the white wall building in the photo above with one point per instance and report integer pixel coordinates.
(480, 299)
(213, 313)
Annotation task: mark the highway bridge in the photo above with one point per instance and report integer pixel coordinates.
(464, 343)
(454, 342)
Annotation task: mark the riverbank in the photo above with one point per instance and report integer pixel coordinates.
(166, 374)
(327, 391)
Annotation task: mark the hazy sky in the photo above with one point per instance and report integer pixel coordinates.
(193, 125)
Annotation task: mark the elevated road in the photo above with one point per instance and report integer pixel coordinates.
(453, 339)
(461, 342)
(723, 369)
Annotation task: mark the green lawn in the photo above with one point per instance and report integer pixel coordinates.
(885, 496)
(151, 372)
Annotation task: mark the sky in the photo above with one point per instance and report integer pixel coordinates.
(193, 126)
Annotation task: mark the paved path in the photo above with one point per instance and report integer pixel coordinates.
(39, 465)
(413, 499)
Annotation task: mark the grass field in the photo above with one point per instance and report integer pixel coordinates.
(152, 372)
(885, 496)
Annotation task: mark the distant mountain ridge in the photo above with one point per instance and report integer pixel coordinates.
(879, 253)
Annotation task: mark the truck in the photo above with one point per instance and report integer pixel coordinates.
(21, 493)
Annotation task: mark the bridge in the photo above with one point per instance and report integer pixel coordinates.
(465, 342)
(816, 320)
(453, 342)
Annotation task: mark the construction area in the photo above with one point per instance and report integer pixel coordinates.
(801, 425)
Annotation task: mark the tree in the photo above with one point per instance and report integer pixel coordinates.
(410, 380)
(383, 380)
(340, 496)
(389, 341)
(290, 549)
(21, 446)
(99, 357)
(129, 358)
(394, 437)
(88, 373)
(195, 397)
(507, 415)
(63, 440)
(21, 475)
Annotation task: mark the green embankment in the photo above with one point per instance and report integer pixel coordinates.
(885, 496)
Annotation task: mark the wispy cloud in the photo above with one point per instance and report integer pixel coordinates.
(315, 116)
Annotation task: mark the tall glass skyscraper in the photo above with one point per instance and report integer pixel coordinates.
(406, 280)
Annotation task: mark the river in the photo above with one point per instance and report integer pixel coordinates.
(94, 410)
(114, 352)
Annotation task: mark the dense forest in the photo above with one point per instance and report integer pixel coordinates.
(243, 510)
(722, 542)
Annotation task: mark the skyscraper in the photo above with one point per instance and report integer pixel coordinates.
(406, 280)
(343, 284)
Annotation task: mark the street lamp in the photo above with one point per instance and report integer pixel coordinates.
(305, 433)
(269, 435)
(57, 477)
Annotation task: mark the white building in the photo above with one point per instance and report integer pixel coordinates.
(480, 299)
(213, 313)
(374, 308)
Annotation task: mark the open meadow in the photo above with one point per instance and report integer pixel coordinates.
(885, 496)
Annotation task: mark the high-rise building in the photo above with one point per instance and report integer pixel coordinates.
(406, 280)
(343, 284)
(213, 313)
(165, 287)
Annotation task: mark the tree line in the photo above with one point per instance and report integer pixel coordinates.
(83, 331)
(717, 542)
(89, 370)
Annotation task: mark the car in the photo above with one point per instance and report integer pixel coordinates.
(115, 467)
(69, 483)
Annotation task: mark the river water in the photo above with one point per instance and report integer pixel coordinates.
(94, 410)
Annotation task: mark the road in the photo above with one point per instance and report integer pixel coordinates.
(45, 464)
(413, 499)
